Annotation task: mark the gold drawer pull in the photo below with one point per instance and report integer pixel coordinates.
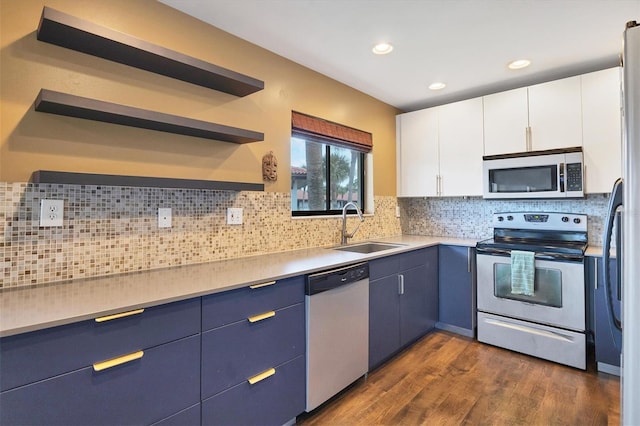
(99, 366)
(253, 287)
(120, 315)
(260, 377)
(261, 317)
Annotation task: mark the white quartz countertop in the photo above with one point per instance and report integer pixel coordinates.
(596, 251)
(25, 309)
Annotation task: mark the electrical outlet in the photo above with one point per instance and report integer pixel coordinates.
(234, 216)
(397, 211)
(51, 212)
(164, 217)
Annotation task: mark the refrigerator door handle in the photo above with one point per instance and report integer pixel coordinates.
(615, 201)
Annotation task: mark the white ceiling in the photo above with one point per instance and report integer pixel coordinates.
(465, 43)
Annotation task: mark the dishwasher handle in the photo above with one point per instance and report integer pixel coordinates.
(328, 280)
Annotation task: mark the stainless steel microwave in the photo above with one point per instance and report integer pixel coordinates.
(555, 173)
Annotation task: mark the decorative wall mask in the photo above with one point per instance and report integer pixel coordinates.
(269, 167)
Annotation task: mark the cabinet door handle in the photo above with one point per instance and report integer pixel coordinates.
(400, 284)
(595, 272)
(261, 317)
(99, 366)
(260, 377)
(119, 315)
(469, 259)
(253, 287)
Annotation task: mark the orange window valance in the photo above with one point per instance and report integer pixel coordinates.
(331, 132)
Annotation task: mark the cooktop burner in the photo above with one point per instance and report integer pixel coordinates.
(561, 234)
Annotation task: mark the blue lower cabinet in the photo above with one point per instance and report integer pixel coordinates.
(419, 303)
(403, 301)
(236, 351)
(608, 339)
(187, 417)
(164, 381)
(384, 319)
(276, 397)
(456, 289)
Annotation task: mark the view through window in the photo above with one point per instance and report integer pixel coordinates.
(324, 176)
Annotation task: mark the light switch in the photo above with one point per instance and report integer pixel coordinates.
(164, 217)
(234, 216)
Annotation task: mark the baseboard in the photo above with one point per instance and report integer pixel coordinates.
(609, 369)
(455, 329)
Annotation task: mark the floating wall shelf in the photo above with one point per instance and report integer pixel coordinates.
(92, 109)
(77, 34)
(70, 178)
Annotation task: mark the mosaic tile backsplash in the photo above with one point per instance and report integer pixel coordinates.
(470, 217)
(110, 230)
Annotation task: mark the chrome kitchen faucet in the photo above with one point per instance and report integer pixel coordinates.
(346, 235)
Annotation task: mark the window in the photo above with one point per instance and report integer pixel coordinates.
(327, 171)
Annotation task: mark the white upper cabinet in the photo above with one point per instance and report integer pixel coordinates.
(544, 116)
(601, 129)
(417, 153)
(555, 114)
(506, 119)
(439, 150)
(460, 137)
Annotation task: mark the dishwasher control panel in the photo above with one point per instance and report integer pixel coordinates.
(327, 280)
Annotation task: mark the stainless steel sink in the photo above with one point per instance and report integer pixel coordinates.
(365, 248)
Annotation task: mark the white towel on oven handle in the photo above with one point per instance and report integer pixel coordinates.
(522, 272)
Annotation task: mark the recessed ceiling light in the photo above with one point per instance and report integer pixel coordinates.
(519, 63)
(438, 85)
(382, 48)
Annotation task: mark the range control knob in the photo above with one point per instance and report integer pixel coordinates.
(565, 219)
(509, 217)
(500, 218)
(576, 220)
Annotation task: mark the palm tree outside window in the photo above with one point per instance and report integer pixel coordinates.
(326, 172)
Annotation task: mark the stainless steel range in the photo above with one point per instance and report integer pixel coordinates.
(531, 289)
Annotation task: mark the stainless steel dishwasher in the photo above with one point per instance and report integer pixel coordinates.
(337, 303)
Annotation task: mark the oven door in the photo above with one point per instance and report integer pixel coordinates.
(559, 292)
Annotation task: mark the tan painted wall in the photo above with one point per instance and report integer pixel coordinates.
(37, 141)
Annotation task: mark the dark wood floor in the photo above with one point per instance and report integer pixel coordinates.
(446, 379)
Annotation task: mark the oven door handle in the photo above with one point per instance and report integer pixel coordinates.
(493, 251)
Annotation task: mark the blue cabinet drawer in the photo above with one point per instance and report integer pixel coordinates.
(235, 352)
(383, 267)
(231, 306)
(391, 265)
(272, 401)
(38, 355)
(164, 381)
(416, 258)
(187, 417)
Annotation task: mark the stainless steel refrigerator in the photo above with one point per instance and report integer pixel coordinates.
(625, 204)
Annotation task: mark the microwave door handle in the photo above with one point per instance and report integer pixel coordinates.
(561, 173)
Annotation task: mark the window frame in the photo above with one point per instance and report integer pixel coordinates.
(361, 176)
